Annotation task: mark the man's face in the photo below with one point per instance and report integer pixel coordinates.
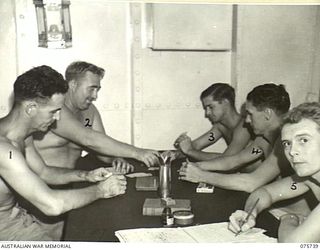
(86, 90)
(48, 113)
(213, 110)
(255, 118)
(301, 143)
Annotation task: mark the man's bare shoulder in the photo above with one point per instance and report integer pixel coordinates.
(68, 118)
(216, 126)
(67, 115)
(8, 153)
(69, 121)
(260, 140)
(244, 128)
(241, 127)
(5, 142)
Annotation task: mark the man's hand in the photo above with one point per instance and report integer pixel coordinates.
(148, 157)
(98, 174)
(237, 221)
(113, 186)
(191, 172)
(172, 154)
(121, 166)
(185, 145)
(179, 139)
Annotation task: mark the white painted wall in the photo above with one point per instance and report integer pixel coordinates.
(8, 55)
(273, 43)
(278, 44)
(99, 36)
(172, 80)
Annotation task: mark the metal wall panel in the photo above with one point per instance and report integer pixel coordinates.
(192, 26)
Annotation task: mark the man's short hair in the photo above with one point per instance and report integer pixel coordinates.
(308, 110)
(39, 83)
(219, 91)
(271, 96)
(77, 70)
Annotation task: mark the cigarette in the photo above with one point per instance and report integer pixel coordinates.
(107, 175)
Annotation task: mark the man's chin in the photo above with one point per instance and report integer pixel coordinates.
(257, 132)
(85, 106)
(214, 121)
(302, 169)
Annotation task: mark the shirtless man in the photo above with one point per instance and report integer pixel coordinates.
(80, 126)
(266, 104)
(301, 142)
(38, 99)
(218, 103)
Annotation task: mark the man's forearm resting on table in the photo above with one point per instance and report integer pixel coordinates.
(57, 176)
(106, 145)
(61, 201)
(240, 182)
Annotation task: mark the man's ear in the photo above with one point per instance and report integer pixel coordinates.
(31, 108)
(72, 84)
(224, 101)
(268, 113)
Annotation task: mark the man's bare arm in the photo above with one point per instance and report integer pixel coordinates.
(263, 198)
(194, 148)
(278, 190)
(70, 128)
(240, 139)
(16, 172)
(255, 151)
(207, 139)
(246, 182)
(308, 231)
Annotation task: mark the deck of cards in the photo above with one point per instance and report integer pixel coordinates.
(204, 188)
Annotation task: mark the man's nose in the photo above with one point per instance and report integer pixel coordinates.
(94, 94)
(56, 115)
(248, 119)
(206, 113)
(294, 150)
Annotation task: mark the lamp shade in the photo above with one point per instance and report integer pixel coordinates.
(54, 24)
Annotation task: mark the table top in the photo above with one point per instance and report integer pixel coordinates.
(99, 220)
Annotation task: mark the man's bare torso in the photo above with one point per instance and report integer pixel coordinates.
(314, 186)
(227, 134)
(58, 151)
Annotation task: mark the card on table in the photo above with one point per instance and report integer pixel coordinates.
(138, 174)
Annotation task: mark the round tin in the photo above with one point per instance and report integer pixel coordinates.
(183, 217)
